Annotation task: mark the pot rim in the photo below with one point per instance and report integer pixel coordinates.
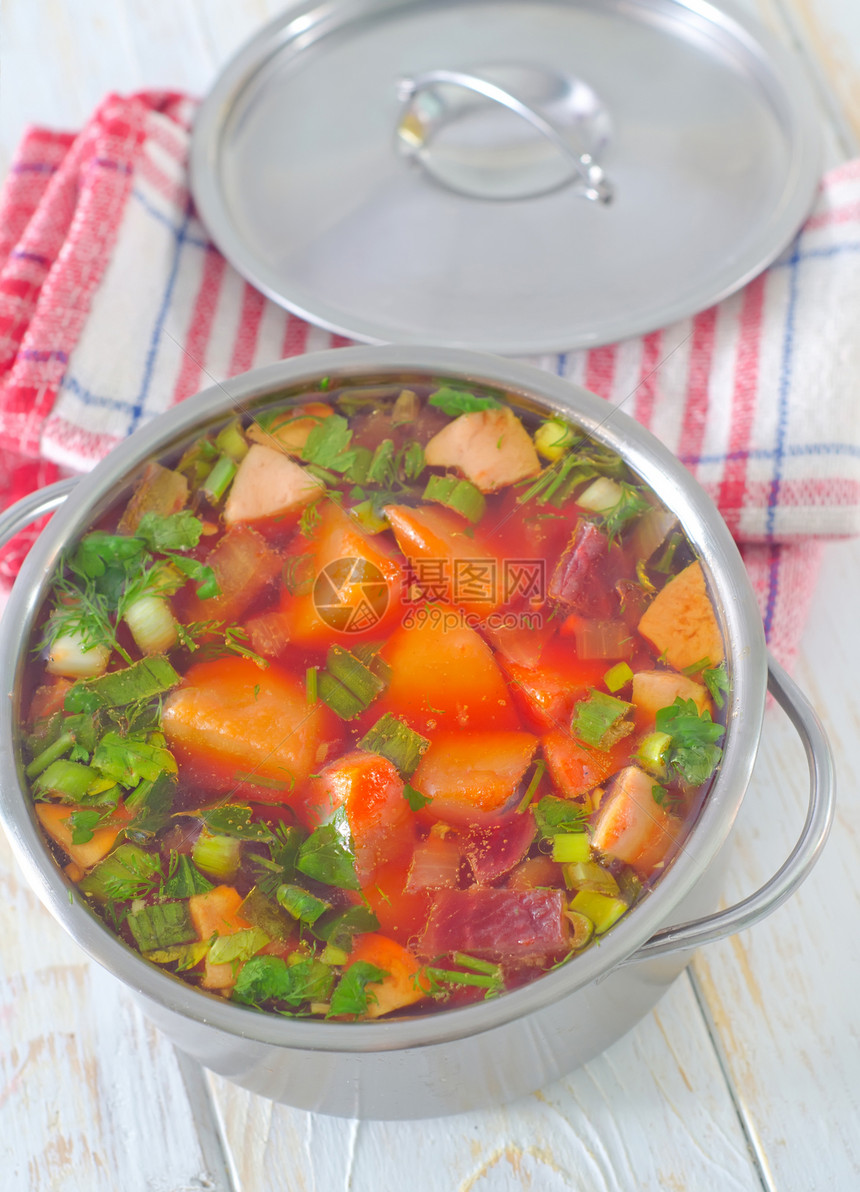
(529, 386)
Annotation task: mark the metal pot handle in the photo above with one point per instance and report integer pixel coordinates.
(819, 817)
(43, 500)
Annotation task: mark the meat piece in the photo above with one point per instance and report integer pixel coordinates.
(656, 689)
(491, 448)
(584, 580)
(160, 490)
(493, 850)
(498, 925)
(634, 828)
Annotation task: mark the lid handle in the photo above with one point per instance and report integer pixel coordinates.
(458, 143)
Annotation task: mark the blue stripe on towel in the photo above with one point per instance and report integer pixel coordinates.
(783, 396)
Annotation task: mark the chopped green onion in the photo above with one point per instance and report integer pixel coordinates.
(582, 929)
(301, 904)
(339, 698)
(231, 441)
(355, 675)
(69, 780)
(219, 479)
(238, 945)
(311, 685)
(571, 847)
(393, 738)
(58, 748)
(653, 752)
(589, 875)
(534, 783)
(141, 681)
(553, 438)
(128, 872)
(161, 925)
(461, 496)
(601, 909)
(618, 676)
(406, 408)
(219, 856)
(600, 720)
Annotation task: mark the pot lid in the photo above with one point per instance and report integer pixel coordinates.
(520, 176)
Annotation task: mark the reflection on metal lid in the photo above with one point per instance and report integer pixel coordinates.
(304, 166)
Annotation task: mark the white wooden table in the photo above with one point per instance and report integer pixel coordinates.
(746, 1076)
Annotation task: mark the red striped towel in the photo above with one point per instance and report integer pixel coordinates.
(114, 305)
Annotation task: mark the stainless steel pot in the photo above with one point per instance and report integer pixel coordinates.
(462, 1059)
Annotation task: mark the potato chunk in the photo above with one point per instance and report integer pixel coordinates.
(490, 447)
(680, 621)
(656, 689)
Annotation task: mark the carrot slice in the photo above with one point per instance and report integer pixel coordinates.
(447, 565)
(216, 912)
(445, 677)
(576, 768)
(401, 987)
(472, 771)
(54, 819)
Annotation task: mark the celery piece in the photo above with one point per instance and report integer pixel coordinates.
(231, 441)
(601, 909)
(355, 675)
(461, 496)
(219, 479)
(161, 925)
(339, 698)
(406, 408)
(571, 847)
(334, 955)
(393, 738)
(618, 676)
(261, 912)
(219, 856)
(301, 904)
(238, 945)
(589, 875)
(70, 780)
(128, 872)
(141, 681)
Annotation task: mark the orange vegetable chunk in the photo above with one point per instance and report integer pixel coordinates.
(401, 987)
(216, 912)
(448, 566)
(680, 621)
(54, 819)
(632, 827)
(232, 718)
(548, 692)
(576, 768)
(370, 790)
(352, 585)
(464, 772)
(445, 678)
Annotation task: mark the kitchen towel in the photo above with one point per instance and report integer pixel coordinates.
(114, 305)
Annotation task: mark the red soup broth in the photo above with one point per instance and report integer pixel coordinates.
(385, 701)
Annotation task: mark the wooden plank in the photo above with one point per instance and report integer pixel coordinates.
(652, 1113)
(91, 1096)
(782, 997)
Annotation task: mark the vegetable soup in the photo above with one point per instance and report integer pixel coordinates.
(387, 700)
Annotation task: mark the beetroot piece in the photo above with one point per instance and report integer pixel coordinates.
(493, 850)
(584, 580)
(498, 925)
